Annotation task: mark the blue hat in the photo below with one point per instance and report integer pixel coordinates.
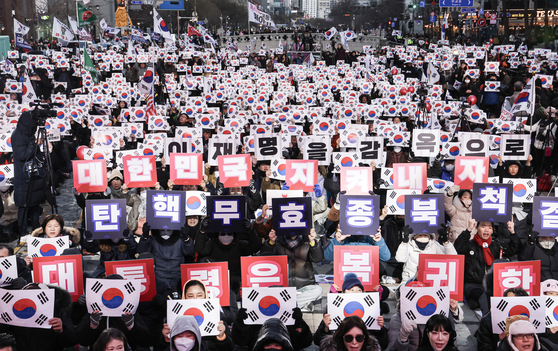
(351, 280)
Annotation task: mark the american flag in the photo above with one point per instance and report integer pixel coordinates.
(369, 77)
(151, 110)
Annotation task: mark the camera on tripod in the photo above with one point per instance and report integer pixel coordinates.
(43, 111)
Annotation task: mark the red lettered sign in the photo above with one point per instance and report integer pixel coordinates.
(141, 270)
(235, 170)
(469, 170)
(63, 271)
(302, 174)
(356, 180)
(364, 261)
(409, 176)
(139, 171)
(90, 176)
(214, 275)
(443, 270)
(263, 271)
(525, 274)
(186, 169)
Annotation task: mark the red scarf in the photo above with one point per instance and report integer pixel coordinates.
(485, 244)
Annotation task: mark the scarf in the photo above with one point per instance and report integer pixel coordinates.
(488, 258)
(293, 242)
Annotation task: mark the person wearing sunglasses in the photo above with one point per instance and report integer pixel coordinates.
(351, 336)
(521, 335)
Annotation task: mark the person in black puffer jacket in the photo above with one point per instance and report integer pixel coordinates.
(110, 249)
(273, 331)
(544, 249)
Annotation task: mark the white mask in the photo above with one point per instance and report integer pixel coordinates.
(397, 149)
(450, 168)
(422, 239)
(165, 237)
(546, 244)
(184, 344)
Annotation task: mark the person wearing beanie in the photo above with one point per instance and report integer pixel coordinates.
(521, 335)
(119, 190)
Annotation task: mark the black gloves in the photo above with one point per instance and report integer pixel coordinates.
(145, 231)
(241, 315)
(205, 223)
(247, 224)
(532, 238)
(82, 300)
(406, 232)
(443, 234)
(95, 319)
(126, 233)
(128, 320)
(184, 232)
(160, 300)
(297, 315)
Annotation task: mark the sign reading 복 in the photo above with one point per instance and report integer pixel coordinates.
(302, 175)
(426, 143)
(515, 147)
(424, 213)
(525, 274)
(90, 176)
(359, 214)
(419, 304)
(227, 213)
(140, 270)
(409, 176)
(364, 305)
(63, 271)
(27, 308)
(545, 215)
(205, 311)
(214, 275)
(46, 247)
(493, 202)
(443, 270)
(292, 216)
(364, 261)
(264, 271)
(357, 180)
(140, 171)
(106, 219)
(235, 170)
(165, 209)
(504, 307)
(112, 297)
(186, 169)
(469, 170)
(264, 303)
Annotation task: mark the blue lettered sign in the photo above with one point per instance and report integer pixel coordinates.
(545, 215)
(165, 209)
(359, 214)
(292, 215)
(227, 213)
(492, 202)
(424, 213)
(106, 219)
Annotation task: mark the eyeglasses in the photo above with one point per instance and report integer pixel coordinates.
(524, 336)
(349, 338)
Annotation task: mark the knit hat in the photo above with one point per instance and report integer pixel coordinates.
(351, 280)
(549, 285)
(520, 325)
(115, 174)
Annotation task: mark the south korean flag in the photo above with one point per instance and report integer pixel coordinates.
(420, 303)
(196, 203)
(344, 159)
(531, 307)
(551, 319)
(264, 303)
(387, 178)
(438, 186)
(205, 311)
(278, 169)
(27, 308)
(364, 305)
(523, 189)
(47, 247)
(8, 270)
(6, 174)
(395, 200)
(112, 297)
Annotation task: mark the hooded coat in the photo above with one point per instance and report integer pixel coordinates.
(273, 331)
(24, 148)
(208, 343)
(548, 258)
(459, 215)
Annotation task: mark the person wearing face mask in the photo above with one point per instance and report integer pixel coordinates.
(185, 335)
(110, 249)
(170, 247)
(447, 170)
(458, 207)
(543, 249)
(397, 155)
(469, 88)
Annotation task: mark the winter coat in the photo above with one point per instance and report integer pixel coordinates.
(475, 266)
(328, 344)
(504, 345)
(486, 339)
(136, 336)
(206, 343)
(548, 258)
(273, 331)
(392, 234)
(125, 249)
(385, 255)
(380, 335)
(459, 215)
(409, 254)
(491, 98)
(299, 259)
(73, 233)
(24, 148)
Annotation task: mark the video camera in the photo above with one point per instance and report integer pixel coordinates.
(42, 111)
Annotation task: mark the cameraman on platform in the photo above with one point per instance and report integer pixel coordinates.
(29, 172)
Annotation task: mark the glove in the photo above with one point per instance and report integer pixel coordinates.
(159, 300)
(297, 314)
(407, 328)
(379, 182)
(285, 186)
(443, 234)
(95, 319)
(126, 233)
(406, 232)
(252, 186)
(247, 224)
(453, 189)
(184, 232)
(128, 320)
(88, 235)
(439, 157)
(330, 167)
(145, 231)
(220, 188)
(82, 300)
(532, 238)
(205, 223)
(241, 315)
(317, 190)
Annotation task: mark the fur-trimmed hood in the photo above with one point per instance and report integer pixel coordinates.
(328, 344)
(72, 232)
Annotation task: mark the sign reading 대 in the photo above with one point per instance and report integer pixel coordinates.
(302, 174)
(141, 270)
(106, 219)
(63, 271)
(186, 169)
(205, 311)
(524, 274)
(545, 215)
(531, 306)
(292, 216)
(139, 171)
(493, 202)
(364, 305)
(46, 247)
(443, 270)
(469, 170)
(112, 297)
(264, 303)
(264, 271)
(359, 214)
(424, 213)
(90, 176)
(364, 261)
(235, 170)
(165, 209)
(419, 304)
(215, 276)
(227, 213)
(27, 308)
(409, 176)
(356, 180)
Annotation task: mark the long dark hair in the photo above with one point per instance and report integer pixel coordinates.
(438, 323)
(348, 324)
(107, 336)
